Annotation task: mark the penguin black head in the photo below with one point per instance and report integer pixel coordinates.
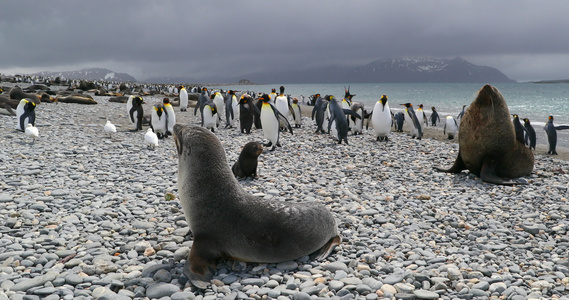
(137, 100)
(407, 104)
(515, 117)
(329, 97)
(295, 101)
(231, 92)
(159, 109)
(281, 89)
(383, 99)
(550, 118)
(433, 108)
(166, 101)
(245, 98)
(421, 106)
(526, 121)
(265, 98)
(347, 94)
(273, 91)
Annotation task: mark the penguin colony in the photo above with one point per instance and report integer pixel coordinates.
(275, 114)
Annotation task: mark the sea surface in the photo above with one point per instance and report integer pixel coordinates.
(535, 101)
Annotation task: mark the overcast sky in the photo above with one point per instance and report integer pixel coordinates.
(526, 40)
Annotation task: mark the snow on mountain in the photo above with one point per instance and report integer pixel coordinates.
(91, 74)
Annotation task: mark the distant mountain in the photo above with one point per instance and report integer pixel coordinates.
(91, 74)
(404, 70)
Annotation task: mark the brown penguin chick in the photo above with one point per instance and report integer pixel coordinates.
(246, 164)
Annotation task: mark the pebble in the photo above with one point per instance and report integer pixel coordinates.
(84, 216)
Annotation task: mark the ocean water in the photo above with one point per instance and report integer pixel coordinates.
(529, 100)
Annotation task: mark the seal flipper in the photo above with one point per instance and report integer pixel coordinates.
(200, 264)
(488, 174)
(456, 168)
(323, 252)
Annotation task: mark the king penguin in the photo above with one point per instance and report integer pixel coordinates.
(220, 104)
(381, 119)
(183, 98)
(421, 116)
(202, 99)
(434, 117)
(272, 96)
(318, 112)
(530, 137)
(519, 128)
(209, 115)
(281, 103)
(170, 116)
(25, 114)
(338, 119)
(451, 127)
(296, 113)
(135, 111)
(357, 125)
(551, 131)
(416, 131)
(246, 108)
(270, 118)
(158, 120)
(231, 105)
(399, 118)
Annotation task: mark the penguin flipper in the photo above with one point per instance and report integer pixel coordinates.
(350, 112)
(562, 127)
(282, 118)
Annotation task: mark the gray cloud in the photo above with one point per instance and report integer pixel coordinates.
(203, 38)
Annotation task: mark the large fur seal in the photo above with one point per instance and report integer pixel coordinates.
(229, 223)
(487, 141)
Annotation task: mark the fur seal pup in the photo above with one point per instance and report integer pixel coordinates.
(487, 141)
(229, 223)
(246, 164)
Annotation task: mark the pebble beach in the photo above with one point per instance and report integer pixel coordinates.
(85, 215)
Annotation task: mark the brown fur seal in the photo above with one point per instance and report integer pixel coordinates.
(246, 164)
(487, 141)
(17, 93)
(79, 99)
(229, 223)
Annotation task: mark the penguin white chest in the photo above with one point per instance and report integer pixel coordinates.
(269, 123)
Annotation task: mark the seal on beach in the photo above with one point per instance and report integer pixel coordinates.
(6, 106)
(246, 164)
(487, 141)
(229, 223)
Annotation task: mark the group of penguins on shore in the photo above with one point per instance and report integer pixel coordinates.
(272, 112)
